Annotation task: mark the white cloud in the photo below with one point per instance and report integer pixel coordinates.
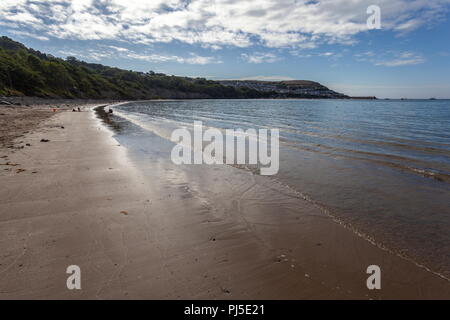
(120, 49)
(90, 54)
(216, 23)
(390, 59)
(266, 78)
(98, 55)
(192, 59)
(260, 57)
(364, 55)
(29, 34)
(402, 59)
(196, 59)
(24, 17)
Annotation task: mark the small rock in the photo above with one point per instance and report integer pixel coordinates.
(226, 291)
(11, 164)
(45, 140)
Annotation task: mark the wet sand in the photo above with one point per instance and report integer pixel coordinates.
(143, 228)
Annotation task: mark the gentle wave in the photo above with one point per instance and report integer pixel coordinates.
(380, 172)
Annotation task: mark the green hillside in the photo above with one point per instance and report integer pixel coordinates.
(26, 72)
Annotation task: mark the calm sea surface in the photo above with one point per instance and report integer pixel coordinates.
(380, 167)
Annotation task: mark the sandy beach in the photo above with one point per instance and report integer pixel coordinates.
(149, 229)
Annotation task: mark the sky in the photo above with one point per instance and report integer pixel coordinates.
(329, 41)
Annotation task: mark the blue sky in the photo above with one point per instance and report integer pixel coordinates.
(326, 41)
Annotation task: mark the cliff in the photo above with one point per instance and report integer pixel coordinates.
(287, 89)
(27, 72)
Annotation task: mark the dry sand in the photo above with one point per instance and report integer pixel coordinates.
(153, 230)
(15, 122)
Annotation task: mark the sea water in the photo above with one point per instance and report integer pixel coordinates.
(381, 167)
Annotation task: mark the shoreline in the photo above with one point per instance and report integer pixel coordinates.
(143, 229)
